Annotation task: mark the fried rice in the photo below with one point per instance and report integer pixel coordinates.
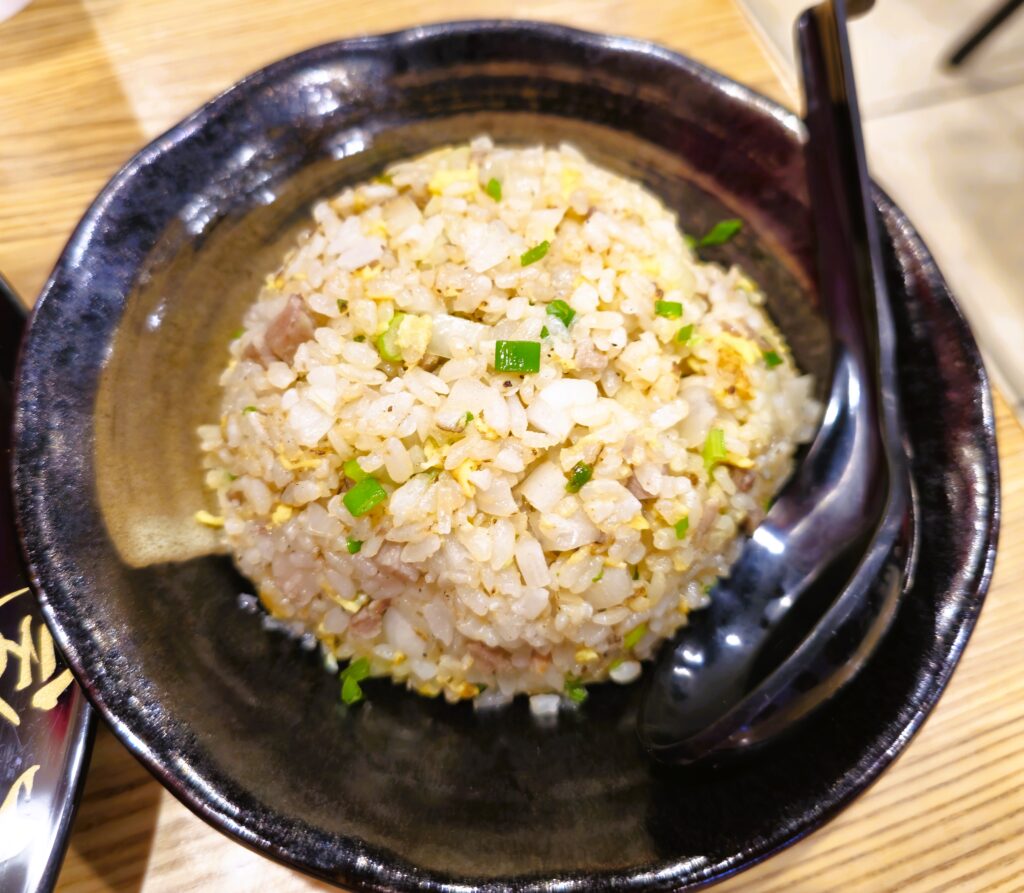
(495, 428)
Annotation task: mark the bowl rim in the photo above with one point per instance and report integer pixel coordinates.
(371, 867)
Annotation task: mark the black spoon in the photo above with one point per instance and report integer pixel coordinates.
(817, 584)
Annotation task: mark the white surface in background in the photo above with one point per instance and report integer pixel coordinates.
(957, 169)
(900, 46)
(10, 7)
(947, 145)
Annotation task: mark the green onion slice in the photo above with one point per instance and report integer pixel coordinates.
(685, 333)
(351, 676)
(668, 309)
(772, 359)
(493, 189)
(354, 546)
(681, 526)
(561, 310)
(534, 254)
(579, 474)
(364, 496)
(714, 449)
(721, 232)
(387, 341)
(354, 471)
(575, 690)
(517, 356)
(634, 636)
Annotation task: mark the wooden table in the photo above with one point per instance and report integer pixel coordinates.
(85, 83)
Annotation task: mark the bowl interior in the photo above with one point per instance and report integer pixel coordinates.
(121, 366)
(495, 779)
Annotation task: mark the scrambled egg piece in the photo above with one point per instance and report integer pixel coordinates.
(735, 354)
(296, 464)
(461, 475)
(486, 431)
(281, 514)
(570, 180)
(737, 461)
(204, 517)
(414, 333)
(441, 181)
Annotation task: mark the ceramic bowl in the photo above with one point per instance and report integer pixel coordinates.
(120, 366)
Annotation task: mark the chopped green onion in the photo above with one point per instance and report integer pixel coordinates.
(561, 310)
(534, 254)
(721, 232)
(493, 189)
(685, 333)
(354, 471)
(544, 332)
(634, 636)
(579, 474)
(681, 526)
(772, 359)
(575, 690)
(517, 356)
(707, 587)
(250, 409)
(364, 496)
(691, 241)
(359, 339)
(615, 664)
(342, 305)
(351, 676)
(387, 341)
(636, 571)
(600, 574)
(238, 333)
(351, 691)
(668, 309)
(469, 417)
(354, 546)
(481, 688)
(714, 449)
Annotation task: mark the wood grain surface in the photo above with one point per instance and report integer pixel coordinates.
(85, 83)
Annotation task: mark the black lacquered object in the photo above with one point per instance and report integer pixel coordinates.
(45, 724)
(403, 793)
(816, 585)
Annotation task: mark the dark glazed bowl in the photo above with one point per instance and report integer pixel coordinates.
(120, 365)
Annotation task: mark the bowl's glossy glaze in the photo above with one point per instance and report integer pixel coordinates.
(121, 362)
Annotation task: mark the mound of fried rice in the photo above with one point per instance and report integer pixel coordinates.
(423, 501)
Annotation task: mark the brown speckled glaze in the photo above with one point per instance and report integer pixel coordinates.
(404, 793)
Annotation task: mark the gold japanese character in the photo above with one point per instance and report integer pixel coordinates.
(23, 652)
